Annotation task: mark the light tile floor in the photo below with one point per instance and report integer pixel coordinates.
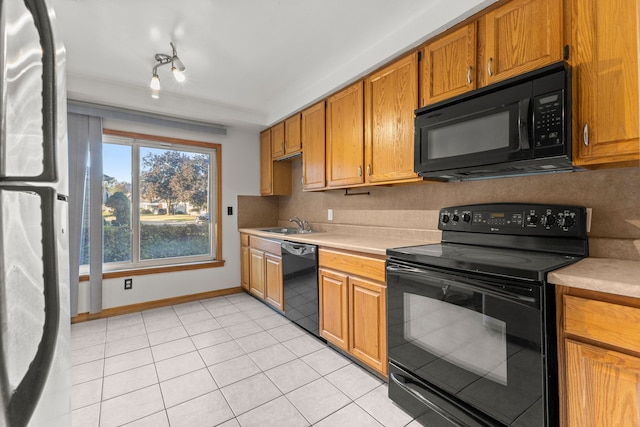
(228, 361)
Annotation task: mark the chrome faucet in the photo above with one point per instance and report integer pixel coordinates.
(297, 221)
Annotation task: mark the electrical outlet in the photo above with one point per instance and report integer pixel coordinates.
(128, 284)
(330, 214)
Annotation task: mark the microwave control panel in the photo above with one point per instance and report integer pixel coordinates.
(548, 119)
(520, 219)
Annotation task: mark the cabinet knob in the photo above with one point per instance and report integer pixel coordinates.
(489, 67)
(585, 134)
(469, 75)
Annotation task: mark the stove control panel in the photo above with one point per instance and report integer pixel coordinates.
(516, 218)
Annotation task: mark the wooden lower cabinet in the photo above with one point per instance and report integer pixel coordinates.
(263, 266)
(353, 306)
(603, 387)
(256, 281)
(333, 307)
(245, 263)
(274, 292)
(368, 322)
(599, 363)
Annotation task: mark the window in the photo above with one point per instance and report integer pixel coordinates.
(160, 202)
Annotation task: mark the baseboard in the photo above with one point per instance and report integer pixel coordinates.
(126, 309)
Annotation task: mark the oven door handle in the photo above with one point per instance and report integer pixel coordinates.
(405, 384)
(475, 287)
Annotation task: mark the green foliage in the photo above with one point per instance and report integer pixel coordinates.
(156, 241)
(173, 176)
(116, 243)
(121, 206)
(166, 241)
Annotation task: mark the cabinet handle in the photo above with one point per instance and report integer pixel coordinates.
(359, 170)
(302, 180)
(489, 67)
(585, 134)
(369, 170)
(469, 75)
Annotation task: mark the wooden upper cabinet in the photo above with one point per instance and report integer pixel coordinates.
(345, 137)
(313, 138)
(285, 138)
(266, 166)
(604, 59)
(277, 140)
(292, 139)
(448, 66)
(521, 36)
(391, 97)
(275, 177)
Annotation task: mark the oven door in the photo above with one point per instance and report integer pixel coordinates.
(475, 343)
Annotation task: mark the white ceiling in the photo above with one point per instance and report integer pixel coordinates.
(249, 63)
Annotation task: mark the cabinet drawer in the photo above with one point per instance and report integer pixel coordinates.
(271, 246)
(359, 265)
(244, 239)
(608, 323)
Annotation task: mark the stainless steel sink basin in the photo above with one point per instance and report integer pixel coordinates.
(282, 230)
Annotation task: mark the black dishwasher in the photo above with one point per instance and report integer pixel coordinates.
(300, 281)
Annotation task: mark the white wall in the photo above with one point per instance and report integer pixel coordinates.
(240, 175)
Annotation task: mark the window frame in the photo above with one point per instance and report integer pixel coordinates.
(137, 266)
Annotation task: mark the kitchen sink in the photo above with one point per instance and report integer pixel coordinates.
(283, 230)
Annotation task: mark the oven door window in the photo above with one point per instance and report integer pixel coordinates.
(471, 339)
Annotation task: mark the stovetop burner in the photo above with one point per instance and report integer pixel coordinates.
(528, 265)
(523, 241)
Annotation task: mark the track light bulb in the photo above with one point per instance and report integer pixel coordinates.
(155, 82)
(179, 75)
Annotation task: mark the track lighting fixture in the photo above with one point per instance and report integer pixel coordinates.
(177, 68)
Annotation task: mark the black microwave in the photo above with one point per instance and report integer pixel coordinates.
(520, 126)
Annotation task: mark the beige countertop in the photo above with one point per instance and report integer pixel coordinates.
(375, 245)
(614, 276)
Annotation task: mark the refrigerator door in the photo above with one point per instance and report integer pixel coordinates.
(27, 92)
(35, 379)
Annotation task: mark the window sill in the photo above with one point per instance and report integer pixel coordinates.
(156, 270)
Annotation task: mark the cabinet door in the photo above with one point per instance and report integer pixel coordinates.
(448, 65)
(391, 97)
(273, 281)
(256, 274)
(368, 323)
(245, 267)
(604, 57)
(602, 387)
(333, 307)
(521, 36)
(313, 155)
(277, 140)
(345, 137)
(292, 141)
(266, 165)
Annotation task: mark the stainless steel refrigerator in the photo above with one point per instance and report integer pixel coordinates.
(35, 379)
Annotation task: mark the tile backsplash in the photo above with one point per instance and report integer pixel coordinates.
(613, 194)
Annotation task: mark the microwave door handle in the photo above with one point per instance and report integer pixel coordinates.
(523, 123)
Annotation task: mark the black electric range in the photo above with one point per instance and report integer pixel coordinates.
(471, 320)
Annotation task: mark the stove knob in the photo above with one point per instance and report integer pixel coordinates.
(532, 219)
(456, 218)
(445, 218)
(566, 222)
(548, 220)
(466, 217)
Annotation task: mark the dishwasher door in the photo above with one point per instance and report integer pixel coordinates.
(300, 281)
